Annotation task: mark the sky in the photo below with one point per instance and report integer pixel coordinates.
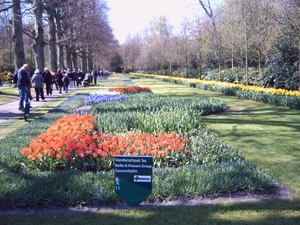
(133, 16)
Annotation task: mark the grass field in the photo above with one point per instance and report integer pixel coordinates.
(266, 135)
(8, 93)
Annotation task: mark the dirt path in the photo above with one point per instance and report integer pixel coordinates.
(280, 193)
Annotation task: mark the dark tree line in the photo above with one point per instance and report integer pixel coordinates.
(71, 34)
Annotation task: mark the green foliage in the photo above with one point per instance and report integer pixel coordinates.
(234, 75)
(116, 63)
(208, 179)
(262, 78)
(153, 114)
(163, 72)
(211, 75)
(148, 113)
(283, 65)
(278, 100)
(292, 102)
(206, 147)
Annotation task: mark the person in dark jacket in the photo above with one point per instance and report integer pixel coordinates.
(38, 84)
(48, 80)
(80, 76)
(23, 83)
(66, 81)
(59, 79)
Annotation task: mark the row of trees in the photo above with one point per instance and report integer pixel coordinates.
(75, 34)
(71, 34)
(239, 33)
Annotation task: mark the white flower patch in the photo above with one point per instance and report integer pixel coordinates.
(105, 92)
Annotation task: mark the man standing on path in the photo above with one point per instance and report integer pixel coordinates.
(23, 83)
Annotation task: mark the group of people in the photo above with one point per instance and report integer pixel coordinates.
(93, 76)
(61, 79)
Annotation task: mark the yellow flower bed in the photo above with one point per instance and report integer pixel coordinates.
(273, 91)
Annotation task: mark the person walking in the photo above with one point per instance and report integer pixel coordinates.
(54, 82)
(95, 76)
(38, 84)
(59, 79)
(48, 80)
(66, 81)
(23, 83)
(28, 88)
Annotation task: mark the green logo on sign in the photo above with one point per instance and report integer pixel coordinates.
(133, 178)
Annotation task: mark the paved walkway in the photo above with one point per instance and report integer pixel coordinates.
(10, 109)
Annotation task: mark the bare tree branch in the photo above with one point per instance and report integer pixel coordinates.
(7, 8)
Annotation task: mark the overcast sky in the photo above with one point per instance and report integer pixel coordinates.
(132, 16)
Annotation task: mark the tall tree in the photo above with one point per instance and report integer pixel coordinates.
(186, 45)
(17, 34)
(131, 50)
(52, 40)
(38, 35)
(157, 38)
(199, 41)
(216, 38)
(6, 36)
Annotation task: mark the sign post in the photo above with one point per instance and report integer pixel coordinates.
(133, 178)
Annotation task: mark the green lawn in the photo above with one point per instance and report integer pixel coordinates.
(266, 135)
(8, 93)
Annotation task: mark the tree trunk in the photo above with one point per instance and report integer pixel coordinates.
(75, 60)
(246, 64)
(52, 35)
(90, 60)
(84, 62)
(299, 67)
(17, 35)
(232, 52)
(246, 52)
(259, 61)
(200, 64)
(59, 37)
(216, 37)
(38, 43)
(69, 57)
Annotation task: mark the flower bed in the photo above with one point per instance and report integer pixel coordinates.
(95, 99)
(278, 97)
(189, 159)
(131, 89)
(73, 143)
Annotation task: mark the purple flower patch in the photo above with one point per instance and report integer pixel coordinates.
(95, 99)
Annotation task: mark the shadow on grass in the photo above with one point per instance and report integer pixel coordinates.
(3, 93)
(252, 121)
(251, 213)
(8, 115)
